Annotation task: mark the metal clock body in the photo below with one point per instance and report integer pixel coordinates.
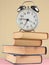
(27, 19)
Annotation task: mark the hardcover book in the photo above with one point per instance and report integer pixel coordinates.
(24, 59)
(22, 42)
(24, 50)
(30, 35)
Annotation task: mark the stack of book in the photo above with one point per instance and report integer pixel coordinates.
(27, 47)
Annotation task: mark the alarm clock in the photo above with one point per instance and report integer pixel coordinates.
(27, 17)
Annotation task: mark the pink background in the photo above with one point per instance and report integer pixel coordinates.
(4, 62)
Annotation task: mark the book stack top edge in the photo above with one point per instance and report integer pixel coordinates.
(31, 35)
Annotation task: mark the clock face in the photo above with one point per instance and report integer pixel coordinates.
(27, 19)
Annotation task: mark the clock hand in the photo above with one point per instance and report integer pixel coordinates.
(31, 22)
(23, 19)
(26, 21)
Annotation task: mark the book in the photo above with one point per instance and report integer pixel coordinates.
(23, 42)
(30, 35)
(24, 50)
(23, 59)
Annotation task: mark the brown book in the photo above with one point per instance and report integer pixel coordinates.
(23, 42)
(24, 50)
(30, 35)
(23, 59)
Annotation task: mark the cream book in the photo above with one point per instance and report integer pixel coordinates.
(27, 42)
(30, 35)
(24, 50)
(23, 59)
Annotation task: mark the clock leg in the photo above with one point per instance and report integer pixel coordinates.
(33, 30)
(20, 30)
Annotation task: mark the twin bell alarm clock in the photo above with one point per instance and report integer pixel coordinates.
(27, 18)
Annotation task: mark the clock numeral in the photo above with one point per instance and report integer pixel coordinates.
(35, 19)
(34, 23)
(24, 13)
(31, 25)
(27, 26)
(31, 13)
(21, 16)
(34, 16)
(21, 22)
(28, 12)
